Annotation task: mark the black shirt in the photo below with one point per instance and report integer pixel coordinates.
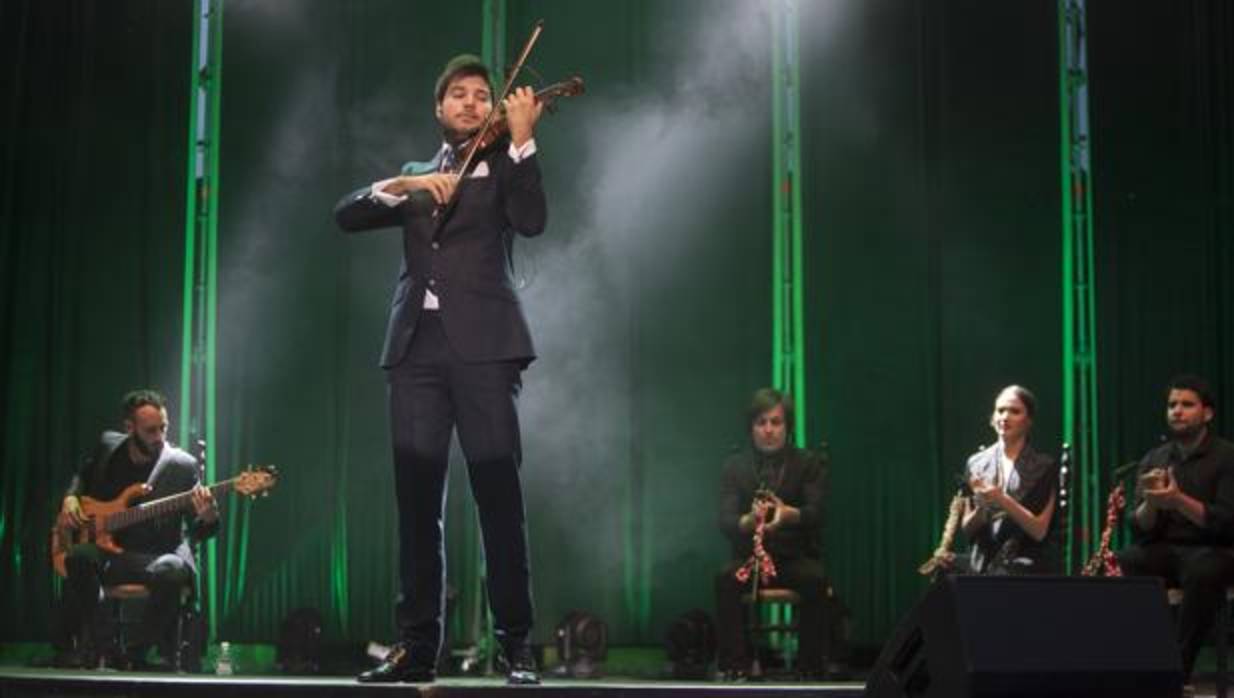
(154, 536)
(798, 478)
(120, 472)
(1207, 474)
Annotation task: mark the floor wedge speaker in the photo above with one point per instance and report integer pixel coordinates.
(979, 637)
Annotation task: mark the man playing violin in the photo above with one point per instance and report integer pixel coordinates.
(456, 345)
(156, 554)
(1184, 515)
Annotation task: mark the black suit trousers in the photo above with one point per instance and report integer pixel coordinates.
(432, 392)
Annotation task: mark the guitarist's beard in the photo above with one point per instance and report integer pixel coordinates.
(146, 450)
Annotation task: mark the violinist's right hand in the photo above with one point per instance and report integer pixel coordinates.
(439, 185)
(71, 514)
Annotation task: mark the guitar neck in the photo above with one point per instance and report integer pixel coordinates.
(164, 506)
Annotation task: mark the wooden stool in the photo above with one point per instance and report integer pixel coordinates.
(780, 627)
(119, 602)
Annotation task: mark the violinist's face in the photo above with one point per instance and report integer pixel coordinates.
(465, 105)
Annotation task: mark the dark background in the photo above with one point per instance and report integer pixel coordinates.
(930, 150)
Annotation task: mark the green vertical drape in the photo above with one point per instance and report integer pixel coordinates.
(1163, 198)
(931, 172)
(91, 211)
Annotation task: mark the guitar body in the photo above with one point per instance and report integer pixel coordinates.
(95, 529)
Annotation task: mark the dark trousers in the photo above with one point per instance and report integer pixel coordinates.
(89, 569)
(804, 576)
(1202, 572)
(432, 392)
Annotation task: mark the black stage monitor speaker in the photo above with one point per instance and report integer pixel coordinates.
(975, 637)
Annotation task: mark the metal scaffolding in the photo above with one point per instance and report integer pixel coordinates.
(788, 335)
(197, 367)
(1084, 518)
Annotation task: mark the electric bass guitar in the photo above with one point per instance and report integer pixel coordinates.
(106, 518)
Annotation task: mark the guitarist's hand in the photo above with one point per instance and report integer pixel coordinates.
(204, 504)
(71, 514)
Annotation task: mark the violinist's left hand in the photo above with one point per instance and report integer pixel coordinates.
(522, 113)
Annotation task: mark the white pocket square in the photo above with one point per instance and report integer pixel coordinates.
(481, 170)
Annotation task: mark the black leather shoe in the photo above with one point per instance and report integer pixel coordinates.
(76, 659)
(400, 664)
(734, 676)
(521, 666)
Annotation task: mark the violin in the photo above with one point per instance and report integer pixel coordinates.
(492, 133)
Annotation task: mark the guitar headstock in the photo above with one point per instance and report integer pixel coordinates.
(256, 480)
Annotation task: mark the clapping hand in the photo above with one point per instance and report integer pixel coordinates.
(1160, 488)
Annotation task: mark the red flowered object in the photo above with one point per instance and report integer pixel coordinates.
(759, 563)
(1104, 562)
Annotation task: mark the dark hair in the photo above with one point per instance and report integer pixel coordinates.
(1195, 384)
(461, 66)
(1025, 396)
(140, 398)
(765, 399)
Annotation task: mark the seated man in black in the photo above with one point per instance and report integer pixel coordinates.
(784, 485)
(156, 553)
(1184, 514)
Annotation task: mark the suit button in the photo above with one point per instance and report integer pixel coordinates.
(432, 282)
(436, 245)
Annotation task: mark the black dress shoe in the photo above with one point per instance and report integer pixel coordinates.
(521, 666)
(400, 664)
(76, 659)
(734, 676)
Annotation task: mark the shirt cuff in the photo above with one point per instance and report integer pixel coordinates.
(391, 200)
(520, 154)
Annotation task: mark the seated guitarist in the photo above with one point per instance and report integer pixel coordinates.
(155, 553)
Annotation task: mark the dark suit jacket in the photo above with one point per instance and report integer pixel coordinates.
(174, 472)
(465, 262)
(1002, 546)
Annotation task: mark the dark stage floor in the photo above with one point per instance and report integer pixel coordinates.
(22, 682)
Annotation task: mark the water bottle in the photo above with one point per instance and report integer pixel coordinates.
(222, 665)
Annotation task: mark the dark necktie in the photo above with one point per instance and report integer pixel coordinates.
(448, 160)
